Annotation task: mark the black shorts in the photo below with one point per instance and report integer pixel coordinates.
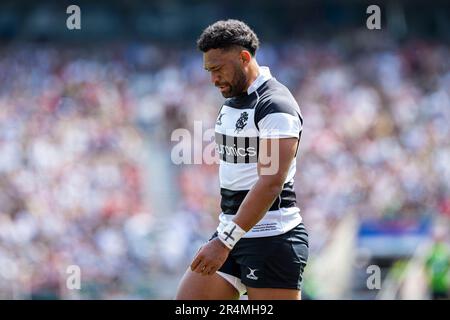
(269, 262)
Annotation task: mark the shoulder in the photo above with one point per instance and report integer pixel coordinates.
(276, 98)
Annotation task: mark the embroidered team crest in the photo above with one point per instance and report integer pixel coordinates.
(241, 122)
(219, 119)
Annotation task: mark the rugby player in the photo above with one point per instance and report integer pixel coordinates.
(260, 247)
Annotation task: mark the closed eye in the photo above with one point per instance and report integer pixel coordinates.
(217, 68)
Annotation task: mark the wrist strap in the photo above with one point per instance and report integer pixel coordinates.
(231, 234)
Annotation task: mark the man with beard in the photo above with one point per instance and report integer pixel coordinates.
(261, 245)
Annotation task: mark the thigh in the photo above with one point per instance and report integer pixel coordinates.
(274, 265)
(194, 286)
(273, 294)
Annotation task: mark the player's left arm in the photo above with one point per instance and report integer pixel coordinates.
(276, 156)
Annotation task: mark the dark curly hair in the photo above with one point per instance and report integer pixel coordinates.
(227, 33)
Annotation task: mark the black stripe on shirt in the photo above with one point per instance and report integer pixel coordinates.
(235, 149)
(231, 200)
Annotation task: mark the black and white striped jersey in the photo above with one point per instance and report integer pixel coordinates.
(266, 110)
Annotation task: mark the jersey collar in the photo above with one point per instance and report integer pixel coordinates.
(264, 75)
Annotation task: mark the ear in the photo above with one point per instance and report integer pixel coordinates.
(246, 57)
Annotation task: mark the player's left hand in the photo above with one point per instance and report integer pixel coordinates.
(210, 257)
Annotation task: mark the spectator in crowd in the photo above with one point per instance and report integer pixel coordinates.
(438, 269)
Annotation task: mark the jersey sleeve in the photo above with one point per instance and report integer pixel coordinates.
(279, 117)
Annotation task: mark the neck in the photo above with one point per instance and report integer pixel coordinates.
(253, 73)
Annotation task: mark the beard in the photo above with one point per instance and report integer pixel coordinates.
(237, 86)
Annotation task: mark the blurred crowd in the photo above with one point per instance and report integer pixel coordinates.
(74, 158)
(70, 176)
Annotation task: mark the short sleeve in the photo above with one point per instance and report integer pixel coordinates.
(279, 118)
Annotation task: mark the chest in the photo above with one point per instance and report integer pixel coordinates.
(236, 122)
(236, 135)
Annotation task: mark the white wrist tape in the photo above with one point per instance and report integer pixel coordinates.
(231, 234)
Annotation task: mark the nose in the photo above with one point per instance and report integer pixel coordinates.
(215, 78)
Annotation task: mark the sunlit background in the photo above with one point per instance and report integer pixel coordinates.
(86, 117)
